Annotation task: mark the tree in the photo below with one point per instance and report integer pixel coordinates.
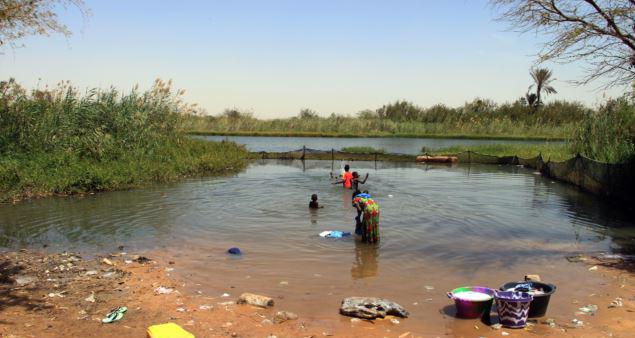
(542, 81)
(600, 33)
(306, 113)
(21, 18)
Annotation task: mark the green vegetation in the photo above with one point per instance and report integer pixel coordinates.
(476, 119)
(608, 135)
(549, 151)
(55, 141)
(362, 150)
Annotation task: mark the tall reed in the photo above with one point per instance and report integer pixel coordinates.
(58, 141)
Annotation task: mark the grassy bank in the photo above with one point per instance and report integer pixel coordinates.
(503, 128)
(554, 152)
(362, 150)
(477, 119)
(56, 141)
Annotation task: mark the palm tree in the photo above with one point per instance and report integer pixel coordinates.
(542, 80)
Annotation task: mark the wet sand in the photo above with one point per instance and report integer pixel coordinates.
(36, 309)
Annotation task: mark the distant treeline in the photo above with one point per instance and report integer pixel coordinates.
(479, 118)
(606, 133)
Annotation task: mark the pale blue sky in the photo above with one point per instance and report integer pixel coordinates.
(275, 57)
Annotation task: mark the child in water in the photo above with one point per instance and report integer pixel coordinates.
(313, 204)
(356, 181)
(346, 178)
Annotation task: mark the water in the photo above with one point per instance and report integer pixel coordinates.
(425, 210)
(394, 145)
(441, 227)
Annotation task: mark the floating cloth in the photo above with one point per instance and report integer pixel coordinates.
(334, 234)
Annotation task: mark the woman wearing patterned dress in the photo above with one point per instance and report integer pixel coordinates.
(370, 221)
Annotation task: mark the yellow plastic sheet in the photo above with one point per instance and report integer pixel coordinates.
(168, 330)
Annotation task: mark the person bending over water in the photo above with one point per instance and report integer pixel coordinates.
(313, 204)
(370, 217)
(346, 178)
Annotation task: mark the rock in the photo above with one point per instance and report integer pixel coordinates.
(255, 300)
(497, 326)
(142, 260)
(24, 280)
(576, 258)
(617, 302)
(533, 278)
(593, 268)
(107, 261)
(162, 290)
(91, 272)
(283, 316)
(205, 307)
(371, 308)
(266, 322)
(91, 298)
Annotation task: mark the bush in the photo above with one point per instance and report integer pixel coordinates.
(56, 141)
(609, 134)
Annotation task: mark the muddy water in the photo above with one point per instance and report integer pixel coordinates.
(442, 227)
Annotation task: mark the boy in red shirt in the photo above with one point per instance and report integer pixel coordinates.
(346, 179)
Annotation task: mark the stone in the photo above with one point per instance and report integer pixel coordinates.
(617, 302)
(283, 316)
(255, 300)
(266, 322)
(91, 298)
(24, 280)
(371, 308)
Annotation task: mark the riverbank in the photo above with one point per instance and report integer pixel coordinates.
(36, 175)
(49, 295)
(548, 151)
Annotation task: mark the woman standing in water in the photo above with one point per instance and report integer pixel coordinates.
(370, 219)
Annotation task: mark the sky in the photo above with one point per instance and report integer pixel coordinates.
(273, 58)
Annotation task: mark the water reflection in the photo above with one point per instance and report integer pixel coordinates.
(366, 260)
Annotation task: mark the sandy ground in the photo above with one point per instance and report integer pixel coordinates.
(64, 295)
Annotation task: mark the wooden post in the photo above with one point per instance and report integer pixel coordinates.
(303, 152)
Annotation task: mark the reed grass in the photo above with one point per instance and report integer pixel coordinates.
(56, 141)
(549, 151)
(609, 134)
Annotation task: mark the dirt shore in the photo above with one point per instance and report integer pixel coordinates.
(65, 295)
